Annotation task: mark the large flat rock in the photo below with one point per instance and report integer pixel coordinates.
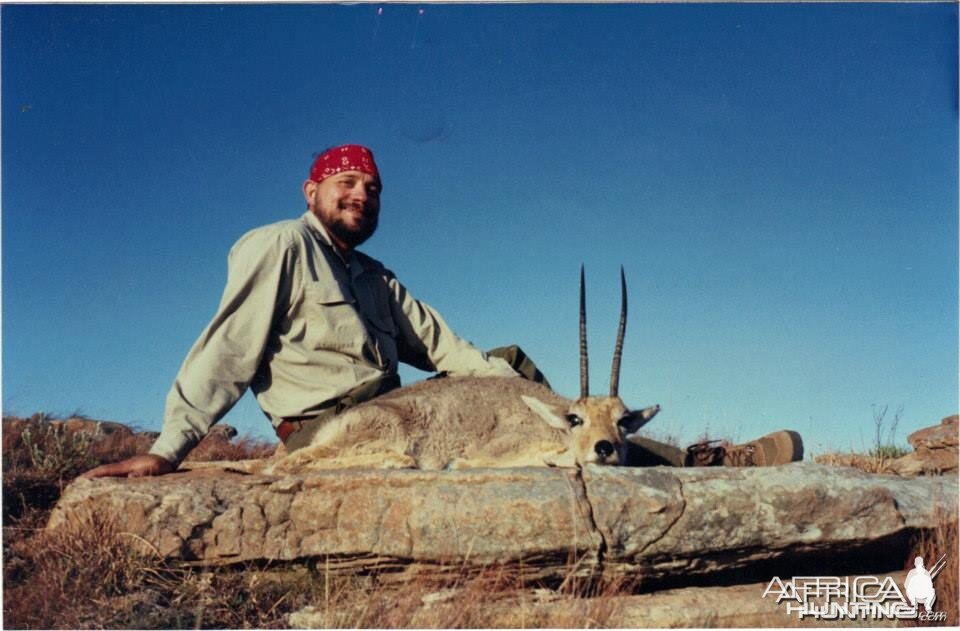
(359, 518)
(662, 522)
(653, 523)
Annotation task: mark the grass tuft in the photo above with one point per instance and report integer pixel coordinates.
(75, 577)
(214, 447)
(931, 544)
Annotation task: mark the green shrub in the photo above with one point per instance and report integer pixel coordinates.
(56, 453)
(888, 452)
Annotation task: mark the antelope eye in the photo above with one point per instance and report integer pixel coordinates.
(574, 420)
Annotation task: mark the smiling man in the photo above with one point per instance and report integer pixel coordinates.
(343, 192)
(313, 327)
(310, 324)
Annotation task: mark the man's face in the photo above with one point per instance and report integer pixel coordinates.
(347, 204)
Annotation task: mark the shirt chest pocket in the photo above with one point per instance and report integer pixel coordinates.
(373, 298)
(333, 321)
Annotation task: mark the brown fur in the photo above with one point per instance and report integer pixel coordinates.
(461, 422)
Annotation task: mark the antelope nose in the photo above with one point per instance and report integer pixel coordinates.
(604, 449)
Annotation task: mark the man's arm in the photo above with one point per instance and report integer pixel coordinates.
(427, 342)
(135, 467)
(223, 361)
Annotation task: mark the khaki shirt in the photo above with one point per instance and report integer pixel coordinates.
(301, 327)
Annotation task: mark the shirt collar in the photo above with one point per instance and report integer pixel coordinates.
(317, 227)
(351, 261)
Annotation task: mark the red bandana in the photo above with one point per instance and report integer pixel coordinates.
(343, 158)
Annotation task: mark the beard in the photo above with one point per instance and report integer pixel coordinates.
(354, 236)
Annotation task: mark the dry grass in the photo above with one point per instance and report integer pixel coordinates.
(931, 545)
(493, 597)
(91, 575)
(71, 578)
(41, 457)
(215, 447)
(875, 463)
(42, 446)
(85, 576)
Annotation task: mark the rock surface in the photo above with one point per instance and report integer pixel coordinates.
(653, 523)
(935, 450)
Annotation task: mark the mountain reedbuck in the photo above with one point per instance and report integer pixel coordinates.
(459, 422)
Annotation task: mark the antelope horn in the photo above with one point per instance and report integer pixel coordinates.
(584, 376)
(621, 329)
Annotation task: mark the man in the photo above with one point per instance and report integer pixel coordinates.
(311, 325)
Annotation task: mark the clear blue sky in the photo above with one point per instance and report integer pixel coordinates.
(779, 181)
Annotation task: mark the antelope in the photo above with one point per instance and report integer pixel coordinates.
(461, 422)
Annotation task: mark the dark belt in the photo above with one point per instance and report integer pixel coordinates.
(361, 393)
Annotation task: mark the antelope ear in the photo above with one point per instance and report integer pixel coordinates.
(635, 420)
(546, 412)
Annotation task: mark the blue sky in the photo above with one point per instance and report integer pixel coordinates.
(779, 181)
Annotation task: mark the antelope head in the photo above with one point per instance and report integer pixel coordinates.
(598, 427)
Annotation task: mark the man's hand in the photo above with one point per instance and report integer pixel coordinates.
(135, 467)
